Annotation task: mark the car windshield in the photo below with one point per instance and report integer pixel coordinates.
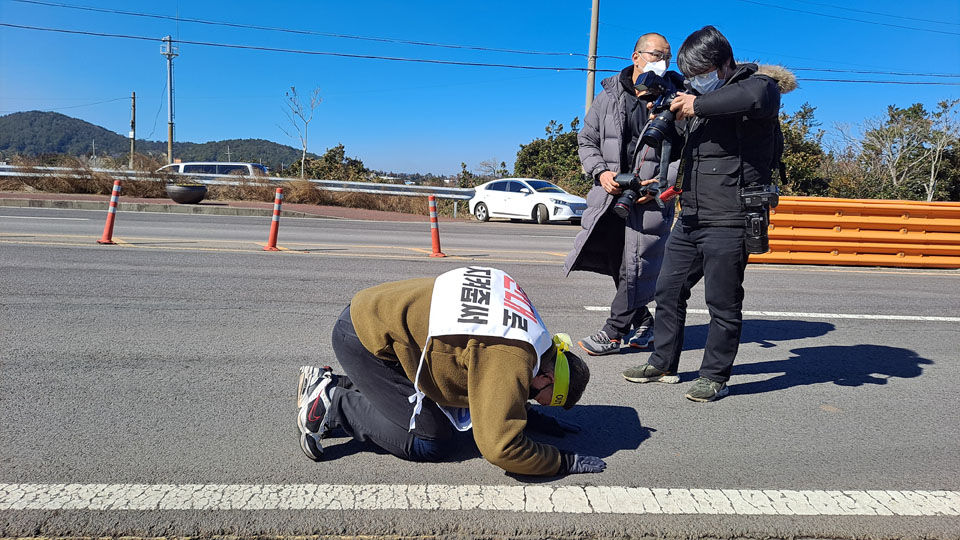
(544, 187)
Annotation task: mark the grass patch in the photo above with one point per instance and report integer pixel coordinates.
(82, 178)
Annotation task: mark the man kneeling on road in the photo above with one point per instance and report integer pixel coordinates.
(426, 356)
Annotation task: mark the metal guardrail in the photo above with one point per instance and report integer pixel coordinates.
(864, 232)
(462, 194)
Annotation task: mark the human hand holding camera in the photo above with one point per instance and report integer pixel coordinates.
(647, 197)
(608, 183)
(682, 105)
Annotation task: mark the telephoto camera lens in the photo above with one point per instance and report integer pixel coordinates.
(625, 202)
(658, 129)
(757, 240)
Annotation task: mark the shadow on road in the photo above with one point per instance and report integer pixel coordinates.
(853, 365)
(605, 430)
(764, 332)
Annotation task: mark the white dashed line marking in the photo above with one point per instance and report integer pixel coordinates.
(38, 217)
(531, 499)
(804, 315)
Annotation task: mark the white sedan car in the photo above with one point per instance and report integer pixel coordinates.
(525, 198)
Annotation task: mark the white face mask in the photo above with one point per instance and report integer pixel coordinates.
(658, 68)
(708, 82)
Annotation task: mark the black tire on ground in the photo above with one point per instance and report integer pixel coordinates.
(481, 212)
(541, 214)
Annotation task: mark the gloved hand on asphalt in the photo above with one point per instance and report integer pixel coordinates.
(577, 464)
(548, 425)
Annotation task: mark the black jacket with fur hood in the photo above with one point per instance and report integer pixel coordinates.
(733, 141)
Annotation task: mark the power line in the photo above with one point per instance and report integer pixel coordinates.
(897, 16)
(302, 32)
(87, 104)
(920, 83)
(402, 59)
(443, 45)
(849, 18)
(778, 55)
(867, 72)
(299, 51)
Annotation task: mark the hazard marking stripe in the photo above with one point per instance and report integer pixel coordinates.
(533, 499)
(803, 315)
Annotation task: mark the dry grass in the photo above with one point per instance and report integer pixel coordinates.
(83, 179)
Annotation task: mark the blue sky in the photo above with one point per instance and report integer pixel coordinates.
(418, 117)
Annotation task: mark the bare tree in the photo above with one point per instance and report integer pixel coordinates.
(299, 115)
(944, 135)
(897, 144)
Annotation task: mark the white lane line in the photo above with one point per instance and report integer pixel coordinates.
(530, 499)
(805, 315)
(37, 217)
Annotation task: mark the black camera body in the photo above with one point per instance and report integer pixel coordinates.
(656, 133)
(757, 200)
(630, 190)
(664, 89)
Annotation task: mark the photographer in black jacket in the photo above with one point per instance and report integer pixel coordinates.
(731, 142)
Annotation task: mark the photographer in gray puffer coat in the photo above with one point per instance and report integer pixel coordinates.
(629, 250)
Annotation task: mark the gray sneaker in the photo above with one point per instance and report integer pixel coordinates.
(599, 344)
(704, 390)
(645, 373)
(641, 338)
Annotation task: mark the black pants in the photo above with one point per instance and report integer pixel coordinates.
(374, 405)
(717, 254)
(622, 319)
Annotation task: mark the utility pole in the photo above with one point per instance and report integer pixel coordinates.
(133, 126)
(228, 152)
(170, 52)
(592, 55)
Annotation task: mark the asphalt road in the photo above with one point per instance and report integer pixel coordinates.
(171, 359)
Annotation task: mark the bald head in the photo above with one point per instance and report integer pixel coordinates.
(643, 44)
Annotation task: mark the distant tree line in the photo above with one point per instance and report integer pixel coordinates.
(910, 153)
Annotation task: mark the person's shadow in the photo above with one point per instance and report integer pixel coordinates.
(604, 430)
(766, 333)
(852, 365)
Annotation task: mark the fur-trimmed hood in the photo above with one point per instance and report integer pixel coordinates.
(786, 80)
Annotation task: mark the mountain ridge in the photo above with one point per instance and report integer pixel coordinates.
(33, 133)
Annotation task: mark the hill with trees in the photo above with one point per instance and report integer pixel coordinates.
(36, 133)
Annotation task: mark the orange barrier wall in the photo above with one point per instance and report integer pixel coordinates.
(864, 232)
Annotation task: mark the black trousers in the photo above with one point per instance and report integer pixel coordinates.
(622, 319)
(718, 255)
(374, 405)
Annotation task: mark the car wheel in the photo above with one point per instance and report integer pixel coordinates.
(541, 214)
(481, 212)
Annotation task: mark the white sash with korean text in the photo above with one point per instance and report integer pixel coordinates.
(484, 302)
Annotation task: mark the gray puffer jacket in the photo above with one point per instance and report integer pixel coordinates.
(605, 240)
